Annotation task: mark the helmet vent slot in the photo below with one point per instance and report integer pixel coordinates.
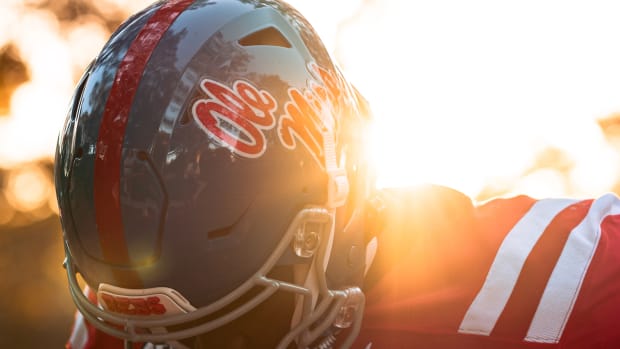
(219, 233)
(269, 36)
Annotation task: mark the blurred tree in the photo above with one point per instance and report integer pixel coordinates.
(68, 11)
(611, 129)
(13, 72)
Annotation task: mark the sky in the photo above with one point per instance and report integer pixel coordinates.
(468, 94)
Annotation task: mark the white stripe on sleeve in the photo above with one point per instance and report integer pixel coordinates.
(502, 277)
(565, 282)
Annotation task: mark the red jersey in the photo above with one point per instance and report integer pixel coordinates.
(508, 273)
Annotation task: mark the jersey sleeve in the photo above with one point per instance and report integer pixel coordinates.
(510, 273)
(416, 227)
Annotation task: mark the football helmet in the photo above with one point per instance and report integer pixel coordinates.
(209, 144)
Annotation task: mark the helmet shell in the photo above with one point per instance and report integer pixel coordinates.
(192, 141)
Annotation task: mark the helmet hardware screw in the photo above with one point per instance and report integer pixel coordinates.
(306, 242)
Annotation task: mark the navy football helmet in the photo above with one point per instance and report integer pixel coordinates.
(211, 160)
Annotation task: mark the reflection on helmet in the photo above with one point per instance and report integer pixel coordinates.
(207, 144)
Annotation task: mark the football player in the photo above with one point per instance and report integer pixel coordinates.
(214, 193)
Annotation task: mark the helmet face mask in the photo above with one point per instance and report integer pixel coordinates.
(209, 144)
(311, 221)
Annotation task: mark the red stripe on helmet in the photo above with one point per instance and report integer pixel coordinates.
(112, 131)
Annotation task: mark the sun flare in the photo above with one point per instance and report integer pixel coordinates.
(476, 95)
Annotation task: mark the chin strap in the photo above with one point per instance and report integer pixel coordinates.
(337, 181)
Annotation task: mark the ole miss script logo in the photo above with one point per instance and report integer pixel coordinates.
(239, 116)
